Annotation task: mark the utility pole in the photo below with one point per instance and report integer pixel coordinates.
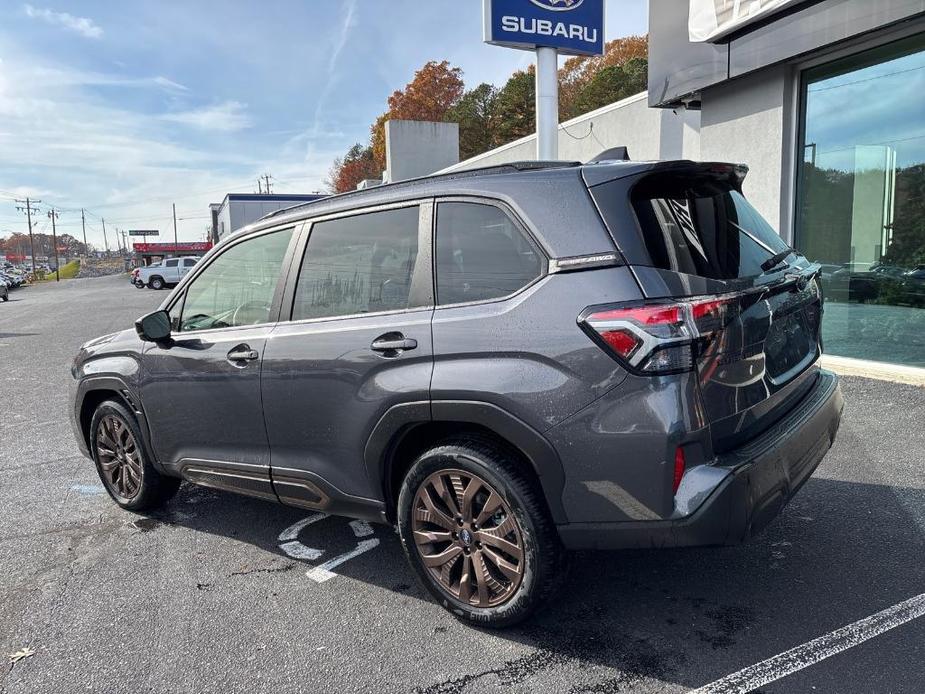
(28, 209)
(175, 242)
(124, 243)
(83, 225)
(105, 239)
(266, 177)
(259, 186)
(53, 215)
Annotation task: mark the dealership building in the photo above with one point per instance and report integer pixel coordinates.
(825, 102)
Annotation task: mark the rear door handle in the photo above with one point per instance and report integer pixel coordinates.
(242, 353)
(393, 344)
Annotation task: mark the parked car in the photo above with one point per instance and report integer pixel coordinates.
(913, 284)
(505, 363)
(166, 273)
(4, 290)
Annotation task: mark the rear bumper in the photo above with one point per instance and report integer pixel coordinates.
(755, 483)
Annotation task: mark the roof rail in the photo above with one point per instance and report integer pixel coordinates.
(612, 154)
(509, 167)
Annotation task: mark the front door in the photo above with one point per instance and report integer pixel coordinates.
(201, 392)
(359, 342)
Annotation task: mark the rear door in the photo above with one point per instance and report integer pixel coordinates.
(172, 271)
(696, 236)
(186, 265)
(357, 342)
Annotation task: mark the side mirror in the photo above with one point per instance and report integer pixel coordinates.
(154, 327)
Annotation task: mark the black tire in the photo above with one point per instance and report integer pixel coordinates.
(154, 489)
(6, 296)
(156, 283)
(544, 563)
(139, 284)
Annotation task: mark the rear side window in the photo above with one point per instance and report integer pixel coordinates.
(172, 263)
(189, 262)
(702, 226)
(360, 264)
(481, 254)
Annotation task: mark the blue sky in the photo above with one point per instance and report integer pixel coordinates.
(124, 108)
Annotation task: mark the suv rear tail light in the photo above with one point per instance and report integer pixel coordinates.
(657, 338)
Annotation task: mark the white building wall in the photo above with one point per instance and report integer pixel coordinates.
(418, 148)
(750, 121)
(648, 133)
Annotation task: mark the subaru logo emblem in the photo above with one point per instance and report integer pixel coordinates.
(465, 537)
(558, 5)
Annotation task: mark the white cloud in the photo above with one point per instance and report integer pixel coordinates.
(225, 117)
(169, 84)
(82, 25)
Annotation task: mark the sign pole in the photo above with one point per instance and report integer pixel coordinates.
(547, 103)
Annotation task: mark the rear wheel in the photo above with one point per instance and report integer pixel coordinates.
(156, 283)
(122, 463)
(478, 535)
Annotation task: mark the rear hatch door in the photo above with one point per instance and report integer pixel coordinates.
(689, 234)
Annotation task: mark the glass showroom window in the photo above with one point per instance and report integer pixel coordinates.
(861, 204)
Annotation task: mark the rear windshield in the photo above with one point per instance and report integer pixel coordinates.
(702, 226)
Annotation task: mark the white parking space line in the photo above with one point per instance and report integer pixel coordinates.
(361, 528)
(292, 532)
(812, 652)
(323, 572)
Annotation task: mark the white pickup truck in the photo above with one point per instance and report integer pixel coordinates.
(166, 273)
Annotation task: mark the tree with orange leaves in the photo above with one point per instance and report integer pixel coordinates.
(356, 166)
(432, 92)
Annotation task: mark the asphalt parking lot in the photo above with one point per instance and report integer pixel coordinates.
(219, 593)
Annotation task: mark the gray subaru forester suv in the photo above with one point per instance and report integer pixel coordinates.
(504, 363)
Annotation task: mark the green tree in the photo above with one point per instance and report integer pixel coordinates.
(612, 83)
(475, 113)
(516, 108)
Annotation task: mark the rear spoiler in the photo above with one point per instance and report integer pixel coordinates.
(596, 174)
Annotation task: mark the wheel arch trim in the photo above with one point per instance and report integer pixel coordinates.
(400, 420)
(112, 384)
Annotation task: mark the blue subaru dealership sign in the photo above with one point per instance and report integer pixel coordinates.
(574, 27)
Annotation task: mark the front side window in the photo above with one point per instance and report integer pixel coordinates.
(481, 254)
(172, 263)
(189, 262)
(360, 264)
(237, 287)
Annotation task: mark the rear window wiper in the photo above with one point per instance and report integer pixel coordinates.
(776, 260)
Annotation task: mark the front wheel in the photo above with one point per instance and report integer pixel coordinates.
(139, 284)
(122, 463)
(477, 533)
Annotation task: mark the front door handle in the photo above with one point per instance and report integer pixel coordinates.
(393, 344)
(242, 353)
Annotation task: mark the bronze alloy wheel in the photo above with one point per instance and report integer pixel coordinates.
(467, 538)
(118, 457)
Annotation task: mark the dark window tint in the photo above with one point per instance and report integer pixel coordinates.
(700, 226)
(189, 262)
(172, 263)
(360, 264)
(481, 254)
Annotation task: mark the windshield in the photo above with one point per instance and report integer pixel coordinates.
(701, 226)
